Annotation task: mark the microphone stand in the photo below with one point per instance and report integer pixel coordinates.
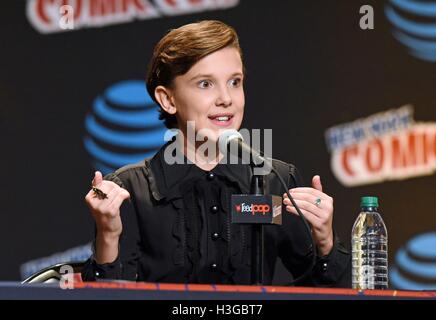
(257, 236)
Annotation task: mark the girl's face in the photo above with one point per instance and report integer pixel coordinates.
(211, 93)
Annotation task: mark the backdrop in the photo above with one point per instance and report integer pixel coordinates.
(347, 87)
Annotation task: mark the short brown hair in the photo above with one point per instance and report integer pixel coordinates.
(180, 49)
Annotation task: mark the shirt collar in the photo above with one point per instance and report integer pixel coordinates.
(168, 176)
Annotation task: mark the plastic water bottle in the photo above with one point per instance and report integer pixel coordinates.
(369, 245)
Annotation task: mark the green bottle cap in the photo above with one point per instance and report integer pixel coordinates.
(369, 202)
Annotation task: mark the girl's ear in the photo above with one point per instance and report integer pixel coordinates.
(164, 96)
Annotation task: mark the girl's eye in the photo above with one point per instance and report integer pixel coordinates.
(204, 84)
(236, 82)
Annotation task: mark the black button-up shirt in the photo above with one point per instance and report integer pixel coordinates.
(177, 228)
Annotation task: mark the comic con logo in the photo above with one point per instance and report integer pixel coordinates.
(385, 146)
(123, 126)
(415, 264)
(414, 26)
(46, 16)
(253, 209)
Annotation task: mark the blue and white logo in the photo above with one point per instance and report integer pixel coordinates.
(414, 24)
(415, 264)
(76, 254)
(123, 127)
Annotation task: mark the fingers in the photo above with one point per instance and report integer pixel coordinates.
(89, 196)
(321, 226)
(302, 204)
(107, 186)
(118, 193)
(295, 192)
(319, 223)
(111, 189)
(326, 201)
(98, 178)
(310, 217)
(316, 190)
(117, 196)
(316, 183)
(111, 205)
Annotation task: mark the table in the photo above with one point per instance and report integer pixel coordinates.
(160, 291)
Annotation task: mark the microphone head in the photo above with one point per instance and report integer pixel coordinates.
(226, 137)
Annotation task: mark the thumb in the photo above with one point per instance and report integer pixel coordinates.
(98, 178)
(316, 183)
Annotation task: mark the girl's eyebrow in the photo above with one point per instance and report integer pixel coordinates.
(204, 75)
(201, 75)
(237, 74)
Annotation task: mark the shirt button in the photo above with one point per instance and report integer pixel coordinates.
(213, 266)
(215, 236)
(214, 209)
(210, 176)
(324, 266)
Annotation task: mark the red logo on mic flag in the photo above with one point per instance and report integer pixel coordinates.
(238, 208)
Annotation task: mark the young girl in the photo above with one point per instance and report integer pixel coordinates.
(162, 222)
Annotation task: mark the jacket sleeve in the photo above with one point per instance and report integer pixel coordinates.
(296, 251)
(125, 265)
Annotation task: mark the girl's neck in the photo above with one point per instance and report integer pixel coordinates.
(203, 158)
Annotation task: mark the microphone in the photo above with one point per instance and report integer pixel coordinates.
(258, 209)
(249, 208)
(232, 141)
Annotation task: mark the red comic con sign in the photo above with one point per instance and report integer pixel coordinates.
(46, 15)
(387, 146)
